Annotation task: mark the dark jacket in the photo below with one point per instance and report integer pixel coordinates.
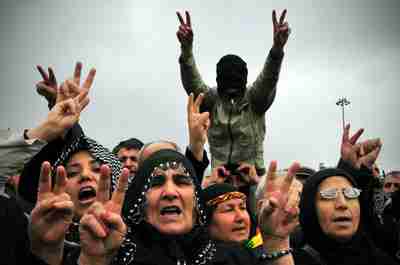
(14, 242)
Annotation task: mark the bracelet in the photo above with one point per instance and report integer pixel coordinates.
(276, 254)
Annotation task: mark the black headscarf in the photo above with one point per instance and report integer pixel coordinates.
(358, 250)
(195, 246)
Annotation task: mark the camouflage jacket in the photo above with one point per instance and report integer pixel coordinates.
(237, 129)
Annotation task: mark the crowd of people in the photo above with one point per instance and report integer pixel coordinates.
(76, 202)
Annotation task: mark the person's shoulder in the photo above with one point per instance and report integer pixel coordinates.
(303, 257)
(234, 253)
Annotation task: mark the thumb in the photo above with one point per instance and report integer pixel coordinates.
(68, 106)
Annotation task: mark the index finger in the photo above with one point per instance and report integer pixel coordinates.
(52, 77)
(61, 180)
(188, 21)
(89, 79)
(271, 175)
(346, 131)
(357, 135)
(289, 177)
(198, 101)
(42, 73)
(274, 20)
(282, 18)
(190, 105)
(77, 73)
(180, 18)
(103, 190)
(44, 179)
(118, 195)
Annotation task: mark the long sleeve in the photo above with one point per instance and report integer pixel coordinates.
(15, 151)
(29, 179)
(262, 92)
(190, 75)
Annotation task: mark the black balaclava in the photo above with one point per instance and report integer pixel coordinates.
(231, 76)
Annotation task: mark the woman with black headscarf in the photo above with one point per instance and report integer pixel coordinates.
(330, 218)
(167, 221)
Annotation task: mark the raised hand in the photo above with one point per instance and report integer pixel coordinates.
(278, 209)
(102, 229)
(362, 153)
(48, 86)
(72, 87)
(281, 30)
(185, 32)
(51, 216)
(61, 117)
(249, 175)
(198, 124)
(218, 175)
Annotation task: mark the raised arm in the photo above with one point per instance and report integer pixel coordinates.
(263, 90)
(190, 76)
(278, 211)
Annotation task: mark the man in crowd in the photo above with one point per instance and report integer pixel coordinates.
(127, 152)
(237, 112)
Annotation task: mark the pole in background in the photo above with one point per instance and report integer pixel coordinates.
(342, 102)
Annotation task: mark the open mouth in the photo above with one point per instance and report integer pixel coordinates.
(86, 194)
(239, 229)
(170, 210)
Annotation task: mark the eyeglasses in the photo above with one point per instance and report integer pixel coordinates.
(388, 185)
(332, 193)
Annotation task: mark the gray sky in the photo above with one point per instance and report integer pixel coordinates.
(337, 48)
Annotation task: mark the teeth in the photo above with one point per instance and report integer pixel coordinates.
(170, 210)
(86, 193)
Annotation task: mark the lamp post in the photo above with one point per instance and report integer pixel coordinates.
(342, 102)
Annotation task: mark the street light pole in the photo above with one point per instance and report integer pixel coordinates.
(342, 102)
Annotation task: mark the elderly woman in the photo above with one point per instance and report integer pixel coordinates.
(167, 221)
(330, 218)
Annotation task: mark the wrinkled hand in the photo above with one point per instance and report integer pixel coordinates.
(281, 30)
(102, 229)
(185, 32)
(357, 154)
(48, 86)
(198, 124)
(278, 210)
(218, 175)
(51, 216)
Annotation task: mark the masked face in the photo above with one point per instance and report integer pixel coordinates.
(231, 77)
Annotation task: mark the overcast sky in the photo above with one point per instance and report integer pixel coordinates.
(337, 48)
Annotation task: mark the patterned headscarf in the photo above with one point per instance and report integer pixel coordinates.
(98, 152)
(135, 200)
